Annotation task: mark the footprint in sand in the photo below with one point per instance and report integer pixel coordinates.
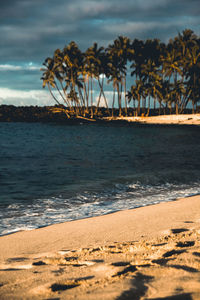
(39, 263)
(59, 272)
(69, 284)
(188, 222)
(184, 268)
(159, 245)
(185, 244)
(120, 264)
(179, 230)
(115, 269)
(129, 269)
(56, 287)
(16, 259)
(196, 254)
(161, 261)
(173, 252)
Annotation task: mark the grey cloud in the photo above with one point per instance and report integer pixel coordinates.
(32, 29)
(37, 25)
(21, 79)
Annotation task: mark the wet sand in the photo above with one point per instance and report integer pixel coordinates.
(146, 253)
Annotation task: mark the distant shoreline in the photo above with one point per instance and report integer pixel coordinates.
(52, 114)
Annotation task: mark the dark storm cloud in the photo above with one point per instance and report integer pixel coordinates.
(32, 29)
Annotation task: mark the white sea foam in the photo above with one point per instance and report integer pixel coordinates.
(14, 206)
(17, 229)
(44, 212)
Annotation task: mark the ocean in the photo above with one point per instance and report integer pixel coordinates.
(51, 173)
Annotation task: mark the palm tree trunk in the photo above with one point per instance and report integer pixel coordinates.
(160, 108)
(85, 94)
(82, 102)
(138, 108)
(193, 106)
(59, 92)
(144, 105)
(91, 81)
(67, 102)
(126, 111)
(85, 97)
(106, 103)
(113, 102)
(148, 105)
(121, 90)
(119, 100)
(102, 93)
(88, 90)
(56, 99)
(98, 103)
(134, 110)
(53, 94)
(176, 108)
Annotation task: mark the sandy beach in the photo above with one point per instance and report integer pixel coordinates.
(187, 119)
(150, 252)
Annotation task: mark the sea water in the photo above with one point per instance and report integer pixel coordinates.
(52, 173)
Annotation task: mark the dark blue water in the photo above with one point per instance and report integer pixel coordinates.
(53, 173)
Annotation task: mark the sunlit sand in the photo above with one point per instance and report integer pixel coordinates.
(189, 119)
(146, 253)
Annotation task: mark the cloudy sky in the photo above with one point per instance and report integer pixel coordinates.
(32, 29)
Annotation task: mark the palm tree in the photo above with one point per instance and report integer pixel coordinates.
(185, 40)
(170, 74)
(154, 91)
(137, 65)
(133, 95)
(115, 74)
(193, 74)
(178, 92)
(164, 95)
(61, 72)
(149, 73)
(48, 77)
(72, 60)
(96, 64)
(119, 54)
(125, 52)
(149, 68)
(171, 64)
(137, 92)
(92, 64)
(137, 58)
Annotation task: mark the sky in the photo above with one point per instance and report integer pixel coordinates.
(32, 30)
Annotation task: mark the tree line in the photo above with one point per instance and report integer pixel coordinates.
(167, 74)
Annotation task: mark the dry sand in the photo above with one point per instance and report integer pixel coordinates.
(147, 253)
(190, 119)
